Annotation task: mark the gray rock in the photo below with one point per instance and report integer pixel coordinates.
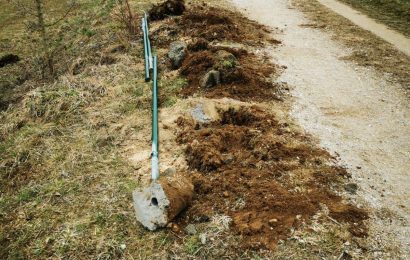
(190, 229)
(202, 237)
(223, 55)
(177, 53)
(199, 115)
(211, 79)
(351, 188)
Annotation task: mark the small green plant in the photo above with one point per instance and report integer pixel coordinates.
(27, 195)
(87, 32)
(228, 64)
(100, 219)
(192, 245)
(170, 101)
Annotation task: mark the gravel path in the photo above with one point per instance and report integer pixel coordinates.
(355, 114)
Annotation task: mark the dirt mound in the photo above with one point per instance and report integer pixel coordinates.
(265, 177)
(208, 23)
(242, 82)
(167, 8)
(217, 24)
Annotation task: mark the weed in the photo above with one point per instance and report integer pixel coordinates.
(100, 219)
(87, 32)
(27, 194)
(170, 101)
(227, 64)
(192, 244)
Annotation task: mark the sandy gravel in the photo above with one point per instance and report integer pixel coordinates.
(398, 40)
(354, 113)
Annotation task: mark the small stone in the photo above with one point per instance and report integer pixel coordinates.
(177, 53)
(226, 194)
(211, 79)
(223, 55)
(204, 218)
(175, 228)
(190, 229)
(273, 221)
(202, 237)
(351, 188)
(199, 115)
(228, 159)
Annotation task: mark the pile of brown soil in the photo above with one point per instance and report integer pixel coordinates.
(209, 23)
(217, 24)
(266, 178)
(242, 82)
(167, 8)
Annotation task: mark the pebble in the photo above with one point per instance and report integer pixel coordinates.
(351, 188)
(190, 229)
(202, 237)
(273, 221)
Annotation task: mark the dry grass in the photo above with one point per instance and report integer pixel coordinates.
(65, 185)
(65, 174)
(366, 49)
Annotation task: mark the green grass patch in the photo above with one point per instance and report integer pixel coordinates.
(192, 245)
(394, 13)
(27, 194)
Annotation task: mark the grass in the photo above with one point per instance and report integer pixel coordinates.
(394, 13)
(65, 183)
(65, 178)
(65, 175)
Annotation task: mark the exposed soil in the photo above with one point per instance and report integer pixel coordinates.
(266, 178)
(212, 24)
(202, 27)
(167, 8)
(241, 81)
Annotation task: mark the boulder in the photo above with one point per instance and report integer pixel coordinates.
(226, 59)
(211, 79)
(177, 53)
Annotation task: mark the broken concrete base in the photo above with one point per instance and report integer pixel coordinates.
(156, 205)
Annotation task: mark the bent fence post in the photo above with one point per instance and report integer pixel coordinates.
(155, 146)
(146, 53)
